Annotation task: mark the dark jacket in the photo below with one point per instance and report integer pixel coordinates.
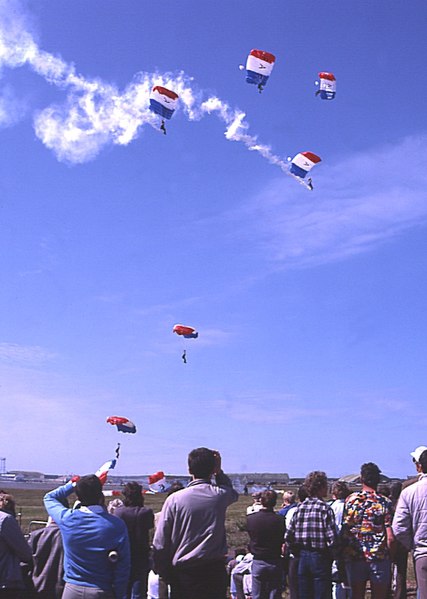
(266, 530)
(139, 521)
(13, 549)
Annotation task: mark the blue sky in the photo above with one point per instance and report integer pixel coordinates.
(310, 305)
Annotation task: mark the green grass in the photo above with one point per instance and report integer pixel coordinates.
(29, 503)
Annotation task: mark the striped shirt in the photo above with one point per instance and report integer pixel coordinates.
(312, 526)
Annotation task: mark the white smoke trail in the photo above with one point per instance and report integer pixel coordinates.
(95, 113)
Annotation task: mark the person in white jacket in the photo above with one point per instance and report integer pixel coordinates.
(410, 523)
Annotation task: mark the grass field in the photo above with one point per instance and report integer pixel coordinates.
(29, 505)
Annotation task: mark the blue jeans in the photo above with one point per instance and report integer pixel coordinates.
(377, 572)
(267, 579)
(314, 575)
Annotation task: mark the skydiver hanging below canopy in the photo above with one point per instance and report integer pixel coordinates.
(259, 65)
(188, 333)
(327, 86)
(301, 165)
(163, 102)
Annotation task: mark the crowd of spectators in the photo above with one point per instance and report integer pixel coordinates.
(309, 548)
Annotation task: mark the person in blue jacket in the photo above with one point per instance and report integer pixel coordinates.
(96, 543)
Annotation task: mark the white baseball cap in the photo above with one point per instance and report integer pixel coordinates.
(416, 454)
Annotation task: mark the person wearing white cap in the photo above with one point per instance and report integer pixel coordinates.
(415, 455)
(410, 521)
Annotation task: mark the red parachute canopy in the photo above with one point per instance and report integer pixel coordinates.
(123, 424)
(165, 92)
(186, 331)
(154, 478)
(311, 156)
(325, 75)
(262, 55)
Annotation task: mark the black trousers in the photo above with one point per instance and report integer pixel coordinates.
(11, 594)
(203, 581)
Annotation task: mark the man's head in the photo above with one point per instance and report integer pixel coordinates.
(370, 475)
(268, 499)
(89, 490)
(256, 497)
(416, 454)
(201, 463)
(423, 462)
(340, 490)
(316, 484)
(288, 498)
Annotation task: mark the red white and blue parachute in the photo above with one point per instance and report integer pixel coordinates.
(259, 65)
(157, 482)
(327, 86)
(163, 101)
(103, 471)
(302, 164)
(124, 425)
(185, 331)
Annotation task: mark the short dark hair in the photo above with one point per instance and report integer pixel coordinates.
(132, 494)
(370, 474)
(340, 489)
(268, 498)
(423, 461)
(89, 490)
(176, 486)
(384, 489)
(201, 462)
(314, 481)
(302, 493)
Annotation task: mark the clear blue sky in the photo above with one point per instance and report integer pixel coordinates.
(311, 306)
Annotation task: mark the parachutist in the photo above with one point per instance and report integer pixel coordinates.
(118, 451)
(184, 356)
(260, 88)
(162, 127)
(310, 184)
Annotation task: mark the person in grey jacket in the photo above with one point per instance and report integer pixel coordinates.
(13, 549)
(410, 523)
(189, 545)
(47, 572)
